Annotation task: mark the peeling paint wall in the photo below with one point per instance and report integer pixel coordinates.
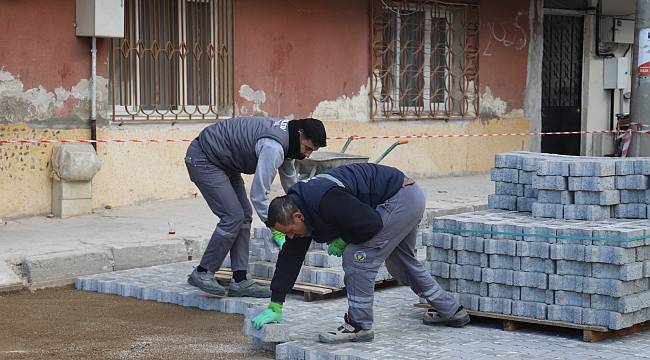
(354, 108)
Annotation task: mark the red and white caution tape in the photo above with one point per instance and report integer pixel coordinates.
(354, 137)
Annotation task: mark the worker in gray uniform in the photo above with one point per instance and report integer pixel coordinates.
(215, 161)
(369, 214)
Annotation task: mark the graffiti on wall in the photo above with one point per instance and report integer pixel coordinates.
(508, 33)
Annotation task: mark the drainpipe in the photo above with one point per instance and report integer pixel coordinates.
(93, 93)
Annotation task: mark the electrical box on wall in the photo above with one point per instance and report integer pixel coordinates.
(100, 18)
(616, 30)
(615, 73)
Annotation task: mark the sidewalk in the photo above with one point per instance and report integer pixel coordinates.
(40, 252)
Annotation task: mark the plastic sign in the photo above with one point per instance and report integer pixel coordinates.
(643, 66)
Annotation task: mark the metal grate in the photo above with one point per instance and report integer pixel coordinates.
(424, 60)
(174, 62)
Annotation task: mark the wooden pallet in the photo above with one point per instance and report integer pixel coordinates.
(311, 292)
(589, 333)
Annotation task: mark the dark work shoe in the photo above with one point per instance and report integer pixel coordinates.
(459, 319)
(206, 282)
(248, 288)
(346, 333)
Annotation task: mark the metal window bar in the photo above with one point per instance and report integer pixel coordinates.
(424, 60)
(174, 63)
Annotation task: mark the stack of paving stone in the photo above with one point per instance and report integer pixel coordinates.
(318, 267)
(580, 272)
(571, 187)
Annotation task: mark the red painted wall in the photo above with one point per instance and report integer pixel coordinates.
(300, 52)
(38, 44)
(503, 49)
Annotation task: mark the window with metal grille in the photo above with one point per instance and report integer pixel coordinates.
(174, 62)
(424, 60)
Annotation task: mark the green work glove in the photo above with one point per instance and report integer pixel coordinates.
(279, 238)
(336, 247)
(273, 313)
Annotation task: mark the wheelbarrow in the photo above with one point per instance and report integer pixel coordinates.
(320, 161)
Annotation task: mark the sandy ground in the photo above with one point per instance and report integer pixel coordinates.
(65, 323)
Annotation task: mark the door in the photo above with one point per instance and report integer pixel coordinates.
(562, 83)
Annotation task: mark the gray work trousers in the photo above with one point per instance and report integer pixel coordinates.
(226, 196)
(394, 244)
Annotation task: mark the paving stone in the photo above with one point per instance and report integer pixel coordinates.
(575, 233)
(553, 167)
(321, 259)
(504, 262)
(533, 249)
(600, 167)
(624, 166)
(548, 210)
(607, 197)
(620, 236)
(528, 309)
(615, 288)
(549, 182)
(447, 284)
(525, 204)
(505, 230)
(472, 287)
(499, 276)
(471, 258)
(540, 233)
(625, 304)
(568, 252)
(587, 212)
(438, 268)
(504, 175)
(445, 224)
(571, 298)
(440, 240)
(465, 272)
(625, 272)
(526, 177)
(470, 227)
(495, 305)
(437, 254)
(500, 246)
(632, 196)
(530, 279)
(610, 255)
(503, 291)
(504, 188)
(555, 197)
(531, 163)
(566, 283)
(592, 183)
(469, 301)
(612, 320)
(530, 191)
(571, 314)
(578, 268)
(472, 243)
(507, 160)
(505, 202)
(643, 253)
(641, 166)
(632, 182)
(631, 211)
(537, 265)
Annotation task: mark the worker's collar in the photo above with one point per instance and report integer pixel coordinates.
(294, 141)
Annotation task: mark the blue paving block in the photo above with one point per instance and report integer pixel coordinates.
(568, 252)
(615, 288)
(505, 202)
(471, 258)
(555, 197)
(632, 182)
(465, 272)
(496, 305)
(592, 183)
(537, 295)
(504, 262)
(570, 314)
(472, 287)
(528, 309)
(531, 162)
(550, 182)
(504, 175)
(553, 167)
(641, 166)
(600, 167)
(624, 166)
(578, 268)
(537, 265)
(503, 291)
(555, 211)
(540, 233)
(621, 236)
(445, 224)
(609, 319)
(530, 191)
(526, 177)
(440, 240)
(525, 204)
(500, 246)
(505, 231)
(625, 272)
(530, 279)
(566, 282)
(632, 196)
(437, 254)
(610, 255)
(474, 227)
(575, 234)
(631, 211)
(646, 268)
(507, 160)
(533, 249)
(438, 269)
(643, 253)
(469, 301)
(626, 304)
(570, 298)
(607, 197)
(448, 284)
(498, 276)
(472, 243)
